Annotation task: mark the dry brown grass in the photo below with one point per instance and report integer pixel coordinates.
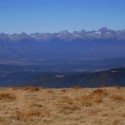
(85, 100)
(66, 100)
(100, 92)
(31, 106)
(117, 98)
(15, 88)
(63, 90)
(117, 87)
(31, 113)
(50, 91)
(76, 87)
(2, 89)
(94, 97)
(7, 97)
(89, 100)
(69, 109)
(31, 88)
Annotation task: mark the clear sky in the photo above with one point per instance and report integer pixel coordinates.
(31, 16)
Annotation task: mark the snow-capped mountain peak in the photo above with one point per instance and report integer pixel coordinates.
(103, 33)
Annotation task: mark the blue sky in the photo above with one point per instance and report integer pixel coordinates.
(31, 16)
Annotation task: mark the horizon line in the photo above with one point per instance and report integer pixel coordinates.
(65, 31)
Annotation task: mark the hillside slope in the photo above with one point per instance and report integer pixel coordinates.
(74, 106)
(110, 78)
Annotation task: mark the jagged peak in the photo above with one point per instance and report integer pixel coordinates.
(64, 32)
(99, 34)
(104, 29)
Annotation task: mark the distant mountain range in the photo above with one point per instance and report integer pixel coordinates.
(103, 33)
(63, 59)
(64, 51)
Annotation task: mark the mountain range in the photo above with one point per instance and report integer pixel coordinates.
(64, 51)
(103, 33)
(63, 59)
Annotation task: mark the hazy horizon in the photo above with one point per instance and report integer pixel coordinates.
(65, 30)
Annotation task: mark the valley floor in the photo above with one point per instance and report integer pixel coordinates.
(73, 106)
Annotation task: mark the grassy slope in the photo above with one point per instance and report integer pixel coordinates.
(74, 106)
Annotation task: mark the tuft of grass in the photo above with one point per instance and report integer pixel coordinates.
(89, 100)
(116, 122)
(84, 100)
(50, 91)
(31, 88)
(63, 90)
(69, 109)
(99, 92)
(30, 113)
(27, 88)
(35, 89)
(2, 88)
(7, 97)
(15, 88)
(117, 98)
(66, 100)
(98, 100)
(76, 87)
(117, 87)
